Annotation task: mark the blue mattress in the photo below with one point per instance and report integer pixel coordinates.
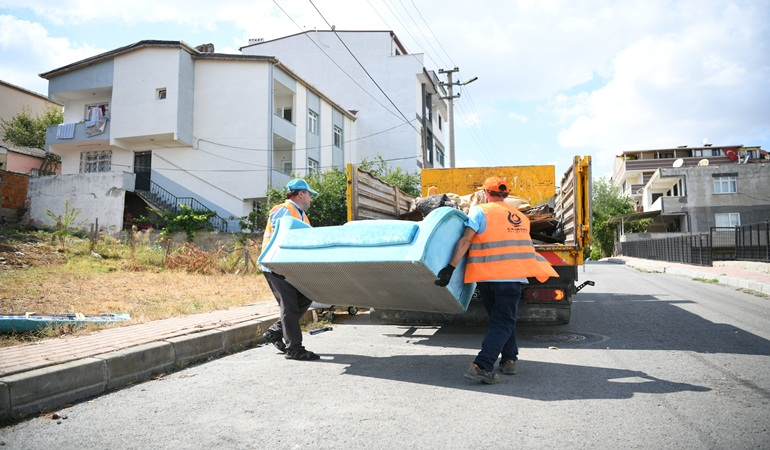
(389, 264)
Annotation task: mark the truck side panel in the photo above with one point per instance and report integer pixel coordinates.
(369, 197)
(533, 183)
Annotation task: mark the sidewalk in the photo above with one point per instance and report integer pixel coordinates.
(45, 376)
(744, 275)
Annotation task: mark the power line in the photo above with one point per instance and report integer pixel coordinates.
(338, 66)
(434, 36)
(362, 67)
(419, 28)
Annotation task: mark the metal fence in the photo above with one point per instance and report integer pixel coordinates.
(742, 243)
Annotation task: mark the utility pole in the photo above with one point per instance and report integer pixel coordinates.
(450, 108)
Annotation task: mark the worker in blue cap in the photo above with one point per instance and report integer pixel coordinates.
(285, 334)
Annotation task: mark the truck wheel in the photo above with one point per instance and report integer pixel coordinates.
(352, 310)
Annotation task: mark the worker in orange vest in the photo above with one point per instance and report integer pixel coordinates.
(500, 259)
(285, 334)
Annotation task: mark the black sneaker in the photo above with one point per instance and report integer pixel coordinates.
(275, 339)
(301, 355)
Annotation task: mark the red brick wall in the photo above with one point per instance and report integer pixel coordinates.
(13, 189)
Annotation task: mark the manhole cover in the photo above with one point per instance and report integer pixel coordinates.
(553, 337)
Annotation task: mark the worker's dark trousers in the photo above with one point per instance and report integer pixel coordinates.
(293, 305)
(501, 300)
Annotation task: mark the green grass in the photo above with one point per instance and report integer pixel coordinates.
(707, 280)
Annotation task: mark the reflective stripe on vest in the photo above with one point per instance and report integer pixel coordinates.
(293, 211)
(504, 250)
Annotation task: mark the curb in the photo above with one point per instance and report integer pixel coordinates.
(757, 286)
(48, 388)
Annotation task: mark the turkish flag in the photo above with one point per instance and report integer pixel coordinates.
(731, 153)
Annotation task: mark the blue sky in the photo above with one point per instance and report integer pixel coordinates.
(556, 78)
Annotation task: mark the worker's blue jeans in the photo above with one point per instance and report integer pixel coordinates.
(501, 300)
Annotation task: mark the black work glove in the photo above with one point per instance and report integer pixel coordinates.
(444, 275)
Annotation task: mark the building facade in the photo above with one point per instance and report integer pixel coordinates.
(690, 190)
(401, 107)
(187, 123)
(15, 100)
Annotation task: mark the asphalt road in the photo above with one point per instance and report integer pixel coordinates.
(649, 361)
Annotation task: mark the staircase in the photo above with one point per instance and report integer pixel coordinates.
(162, 200)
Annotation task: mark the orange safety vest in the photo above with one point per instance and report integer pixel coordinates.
(504, 250)
(293, 211)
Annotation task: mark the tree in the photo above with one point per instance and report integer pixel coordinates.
(609, 202)
(25, 131)
(407, 182)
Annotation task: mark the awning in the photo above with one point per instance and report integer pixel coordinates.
(634, 216)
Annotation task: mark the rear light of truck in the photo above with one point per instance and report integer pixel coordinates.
(543, 295)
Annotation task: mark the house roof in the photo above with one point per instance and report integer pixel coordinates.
(196, 54)
(392, 34)
(146, 44)
(710, 147)
(30, 151)
(26, 91)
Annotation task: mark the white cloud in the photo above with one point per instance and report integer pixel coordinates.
(708, 78)
(28, 50)
(517, 117)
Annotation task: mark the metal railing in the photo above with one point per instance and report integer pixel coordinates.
(165, 200)
(741, 243)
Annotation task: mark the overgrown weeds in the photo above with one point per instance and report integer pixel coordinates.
(139, 275)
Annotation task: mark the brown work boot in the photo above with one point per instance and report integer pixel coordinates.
(508, 367)
(476, 373)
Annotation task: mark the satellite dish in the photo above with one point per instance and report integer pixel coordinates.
(703, 162)
(705, 142)
(678, 162)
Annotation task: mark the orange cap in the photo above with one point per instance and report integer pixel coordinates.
(495, 184)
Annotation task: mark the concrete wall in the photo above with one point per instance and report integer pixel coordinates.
(751, 201)
(136, 109)
(13, 99)
(96, 195)
(396, 75)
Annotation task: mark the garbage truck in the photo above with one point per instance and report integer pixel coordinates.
(560, 218)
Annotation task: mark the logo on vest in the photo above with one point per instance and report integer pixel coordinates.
(515, 220)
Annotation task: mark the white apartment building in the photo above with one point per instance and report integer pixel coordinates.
(401, 109)
(180, 124)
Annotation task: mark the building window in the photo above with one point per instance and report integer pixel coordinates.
(429, 145)
(440, 122)
(439, 157)
(96, 112)
(92, 162)
(728, 220)
(160, 94)
(312, 121)
(725, 184)
(312, 166)
(337, 136)
(428, 108)
(284, 113)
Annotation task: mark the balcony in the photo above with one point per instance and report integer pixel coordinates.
(80, 136)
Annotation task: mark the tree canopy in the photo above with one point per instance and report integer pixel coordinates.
(608, 202)
(23, 130)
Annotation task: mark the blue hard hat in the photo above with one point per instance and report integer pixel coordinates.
(298, 184)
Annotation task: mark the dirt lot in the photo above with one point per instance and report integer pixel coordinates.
(39, 277)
